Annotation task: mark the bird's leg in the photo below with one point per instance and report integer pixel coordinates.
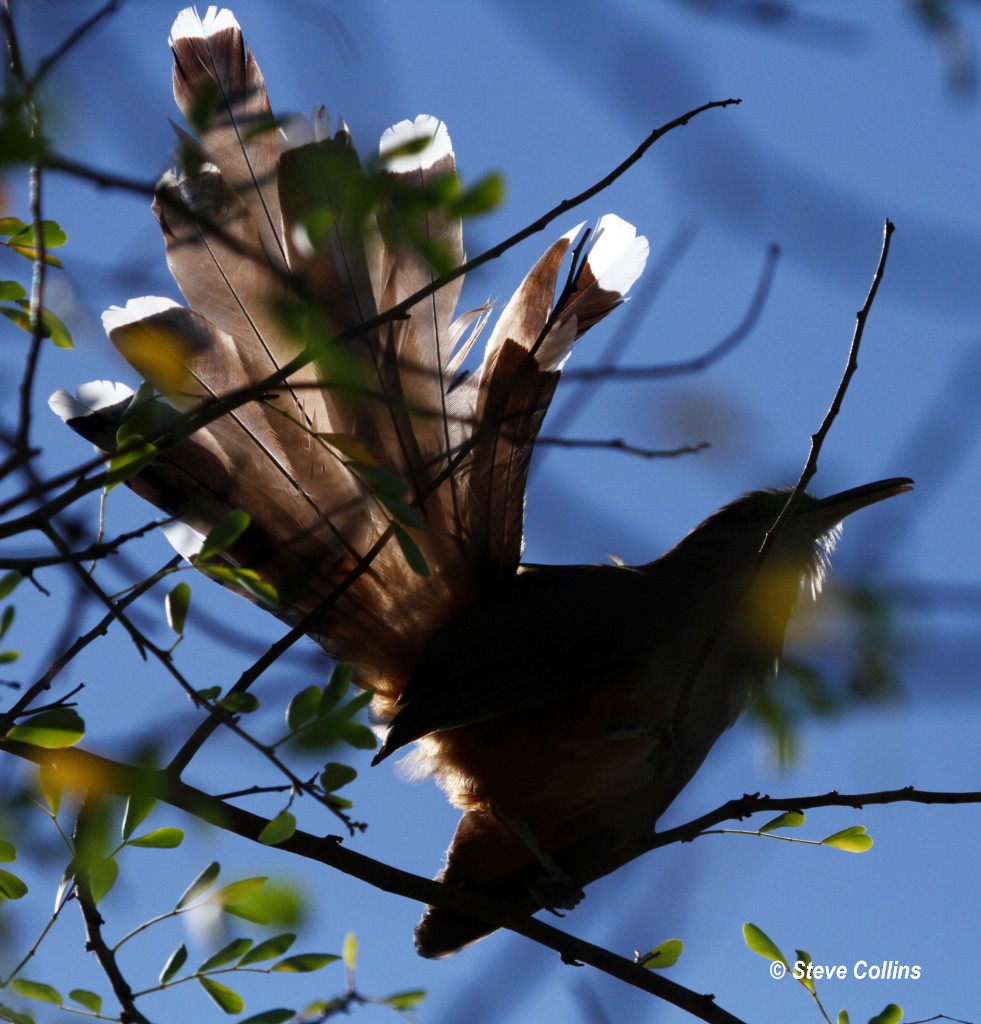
(555, 889)
(664, 739)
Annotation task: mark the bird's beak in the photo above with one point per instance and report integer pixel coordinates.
(845, 502)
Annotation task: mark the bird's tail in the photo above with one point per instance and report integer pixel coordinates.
(305, 384)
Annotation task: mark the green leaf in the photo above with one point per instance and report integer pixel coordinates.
(6, 657)
(8, 852)
(791, 819)
(36, 990)
(233, 951)
(51, 234)
(174, 963)
(160, 839)
(50, 785)
(239, 703)
(247, 579)
(270, 1017)
(11, 887)
(8, 583)
(842, 1017)
(15, 1016)
(350, 951)
(52, 729)
(129, 463)
(355, 704)
(11, 226)
(177, 603)
(303, 963)
(102, 878)
(226, 999)
(222, 536)
(58, 333)
(759, 942)
(410, 551)
(6, 620)
(138, 806)
(276, 946)
(11, 291)
(209, 693)
(662, 956)
(486, 195)
(90, 1000)
(805, 959)
(279, 829)
(405, 514)
(357, 735)
(852, 840)
(335, 775)
(237, 892)
(892, 1014)
(381, 481)
(405, 1000)
(199, 886)
(303, 707)
(336, 689)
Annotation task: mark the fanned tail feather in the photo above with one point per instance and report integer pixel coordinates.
(275, 259)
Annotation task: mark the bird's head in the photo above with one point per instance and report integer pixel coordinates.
(718, 559)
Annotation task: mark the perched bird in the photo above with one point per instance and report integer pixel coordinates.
(562, 708)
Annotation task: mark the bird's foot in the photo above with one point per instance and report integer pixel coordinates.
(557, 892)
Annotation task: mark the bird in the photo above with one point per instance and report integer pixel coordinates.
(381, 485)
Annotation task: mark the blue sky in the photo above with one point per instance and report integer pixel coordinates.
(847, 118)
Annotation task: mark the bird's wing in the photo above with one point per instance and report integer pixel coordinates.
(545, 636)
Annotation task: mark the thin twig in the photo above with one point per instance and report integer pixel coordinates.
(699, 363)
(817, 438)
(810, 467)
(76, 36)
(617, 444)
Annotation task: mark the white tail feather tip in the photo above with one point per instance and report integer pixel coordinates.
(88, 398)
(425, 126)
(617, 254)
(190, 25)
(134, 311)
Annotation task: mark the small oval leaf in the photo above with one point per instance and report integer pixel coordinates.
(236, 892)
(174, 963)
(279, 829)
(227, 1000)
(336, 775)
(8, 852)
(199, 886)
(50, 783)
(661, 956)
(90, 1000)
(761, 943)
(270, 1017)
(235, 949)
(350, 951)
(11, 887)
(271, 948)
(790, 819)
(227, 531)
(53, 729)
(177, 603)
(160, 839)
(405, 1000)
(303, 707)
(852, 840)
(302, 963)
(138, 806)
(36, 990)
(102, 878)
